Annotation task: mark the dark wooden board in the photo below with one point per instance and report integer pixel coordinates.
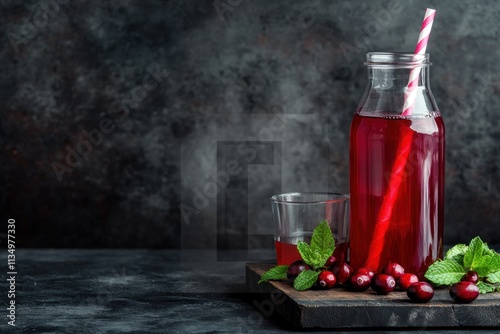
(338, 308)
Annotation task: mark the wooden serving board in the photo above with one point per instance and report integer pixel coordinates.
(338, 308)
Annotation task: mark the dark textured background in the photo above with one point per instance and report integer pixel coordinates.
(271, 72)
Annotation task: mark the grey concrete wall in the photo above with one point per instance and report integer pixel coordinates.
(172, 90)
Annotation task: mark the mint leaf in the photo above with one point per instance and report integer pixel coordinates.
(472, 256)
(445, 272)
(305, 280)
(485, 287)
(488, 264)
(494, 277)
(322, 243)
(305, 252)
(456, 253)
(276, 273)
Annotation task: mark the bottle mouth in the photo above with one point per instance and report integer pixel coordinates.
(396, 60)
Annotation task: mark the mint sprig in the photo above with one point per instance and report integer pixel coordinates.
(314, 254)
(321, 248)
(460, 259)
(276, 273)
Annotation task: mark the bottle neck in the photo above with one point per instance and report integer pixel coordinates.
(388, 86)
(397, 79)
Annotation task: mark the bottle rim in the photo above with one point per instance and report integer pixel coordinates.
(395, 60)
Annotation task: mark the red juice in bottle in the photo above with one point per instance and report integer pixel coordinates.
(415, 230)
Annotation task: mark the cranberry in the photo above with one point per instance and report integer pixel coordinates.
(365, 271)
(406, 280)
(471, 276)
(464, 292)
(326, 279)
(360, 282)
(342, 271)
(393, 269)
(383, 283)
(331, 261)
(296, 268)
(420, 292)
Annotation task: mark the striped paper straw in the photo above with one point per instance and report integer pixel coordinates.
(404, 147)
(425, 31)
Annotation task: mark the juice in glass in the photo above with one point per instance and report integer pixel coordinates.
(287, 253)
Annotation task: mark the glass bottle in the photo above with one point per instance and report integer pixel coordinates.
(396, 168)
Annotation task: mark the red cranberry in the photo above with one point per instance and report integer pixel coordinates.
(393, 269)
(471, 276)
(365, 271)
(464, 292)
(420, 292)
(383, 283)
(326, 279)
(406, 280)
(331, 261)
(342, 271)
(296, 268)
(360, 282)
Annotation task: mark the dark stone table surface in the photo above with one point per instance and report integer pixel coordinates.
(138, 291)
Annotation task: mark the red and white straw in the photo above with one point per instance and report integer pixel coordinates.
(423, 38)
